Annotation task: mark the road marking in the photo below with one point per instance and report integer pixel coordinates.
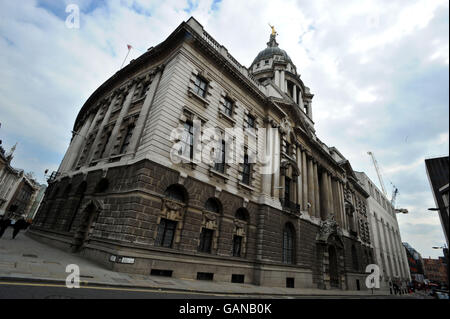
(118, 289)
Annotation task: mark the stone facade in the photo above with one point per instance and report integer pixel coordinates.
(389, 253)
(120, 198)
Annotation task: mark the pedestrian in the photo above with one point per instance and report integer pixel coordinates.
(4, 224)
(18, 226)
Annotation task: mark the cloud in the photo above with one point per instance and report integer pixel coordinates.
(378, 69)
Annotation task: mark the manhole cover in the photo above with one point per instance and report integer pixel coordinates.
(30, 255)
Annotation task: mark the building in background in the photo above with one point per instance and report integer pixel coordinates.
(438, 176)
(416, 268)
(436, 271)
(36, 201)
(10, 179)
(17, 189)
(390, 255)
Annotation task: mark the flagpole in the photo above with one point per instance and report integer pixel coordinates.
(129, 49)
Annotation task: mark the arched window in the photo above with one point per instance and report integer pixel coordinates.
(355, 264)
(67, 190)
(102, 186)
(176, 192)
(242, 214)
(288, 244)
(213, 205)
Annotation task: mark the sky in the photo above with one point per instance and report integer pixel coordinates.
(379, 71)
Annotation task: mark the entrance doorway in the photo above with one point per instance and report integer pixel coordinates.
(333, 267)
(85, 227)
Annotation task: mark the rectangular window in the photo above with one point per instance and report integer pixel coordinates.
(187, 141)
(127, 138)
(250, 121)
(144, 90)
(246, 171)
(200, 86)
(290, 282)
(206, 240)
(237, 244)
(107, 137)
(238, 279)
(287, 189)
(205, 276)
(166, 232)
(220, 159)
(161, 272)
(288, 149)
(228, 107)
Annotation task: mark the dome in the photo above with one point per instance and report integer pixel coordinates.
(269, 52)
(272, 50)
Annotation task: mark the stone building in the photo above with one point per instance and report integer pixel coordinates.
(436, 270)
(131, 193)
(415, 263)
(10, 179)
(390, 255)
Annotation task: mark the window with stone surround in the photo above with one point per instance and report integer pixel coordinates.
(246, 170)
(176, 192)
(206, 238)
(166, 232)
(288, 244)
(219, 164)
(228, 107)
(127, 138)
(237, 244)
(200, 86)
(187, 140)
(250, 121)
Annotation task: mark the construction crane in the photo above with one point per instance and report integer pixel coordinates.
(378, 172)
(394, 194)
(394, 191)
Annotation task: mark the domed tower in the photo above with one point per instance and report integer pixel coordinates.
(274, 66)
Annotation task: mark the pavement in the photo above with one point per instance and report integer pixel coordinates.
(27, 260)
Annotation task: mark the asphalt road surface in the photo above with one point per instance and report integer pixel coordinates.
(29, 290)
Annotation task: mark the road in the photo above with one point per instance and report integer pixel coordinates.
(30, 290)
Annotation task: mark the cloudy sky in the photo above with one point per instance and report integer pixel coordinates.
(379, 71)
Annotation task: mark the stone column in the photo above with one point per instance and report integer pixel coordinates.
(267, 178)
(276, 163)
(330, 196)
(123, 113)
(342, 198)
(305, 182)
(390, 269)
(295, 93)
(74, 149)
(277, 78)
(145, 111)
(394, 251)
(311, 197)
(282, 82)
(100, 131)
(316, 191)
(324, 196)
(300, 179)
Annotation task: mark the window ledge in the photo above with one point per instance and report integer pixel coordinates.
(212, 171)
(191, 93)
(248, 187)
(186, 161)
(138, 100)
(227, 117)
